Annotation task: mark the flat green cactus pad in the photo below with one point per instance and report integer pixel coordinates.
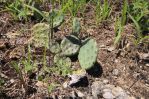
(40, 35)
(58, 21)
(55, 47)
(76, 26)
(70, 45)
(88, 54)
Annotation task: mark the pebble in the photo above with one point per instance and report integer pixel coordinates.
(108, 91)
(110, 49)
(115, 72)
(65, 84)
(97, 87)
(80, 94)
(119, 93)
(90, 97)
(105, 81)
(73, 94)
(75, 79)
(12, 80)
(147, 65)
(108, 95)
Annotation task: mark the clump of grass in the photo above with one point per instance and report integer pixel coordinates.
(139, 14)
(120, 22)
(102, 11)
(73, 6)
(19, 10)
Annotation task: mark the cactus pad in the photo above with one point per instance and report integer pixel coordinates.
(88, 54)
(58, 21)
(76, 26)
(40, 35)
(55, 47)
(70, 45)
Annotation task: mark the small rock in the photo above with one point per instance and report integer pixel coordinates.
(108, 95)
(131, 97)
(80, 94)
(41, 84)
(144, 56)
(147, 65)
(105, 81)
(65, 84)
(119, 93)
(115, 72)
(107, 90)
(90, 97)
(12, 81)
(110, 49)
(97, 88)
(116, 61)
(75, 79)
(109, 86)
(73, 94)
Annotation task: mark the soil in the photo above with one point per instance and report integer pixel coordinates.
(121, 65)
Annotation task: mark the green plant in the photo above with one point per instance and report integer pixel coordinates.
(70, 45)
(120, 22)
(52, 86)
(63, 64)
(88, 54)
(76, 27)
(139, 14)
(102, 11)
(24, 67)
(73, 6)
(16, 66)
(19, 10)
(140, 37)
(1, 82)
(27, 63)
(40, 32)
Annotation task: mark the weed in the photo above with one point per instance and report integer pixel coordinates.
(102, 11)
(20, 73)
(19, 11)
(139, 14)
(73, 6)
(52, 86)
(120, 22)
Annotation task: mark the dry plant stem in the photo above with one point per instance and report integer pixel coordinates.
(51, 24)
(51, 27)
(23, 81)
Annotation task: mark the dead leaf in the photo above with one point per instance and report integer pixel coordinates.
(17, 53)
(41, 84)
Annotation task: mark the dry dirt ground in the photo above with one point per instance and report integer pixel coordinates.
(123, 66)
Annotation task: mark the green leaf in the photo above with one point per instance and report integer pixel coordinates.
(88, 54)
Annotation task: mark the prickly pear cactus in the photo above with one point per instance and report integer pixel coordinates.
(70, 45)
(76, 26)
(40, 35)
(58, 21)
(88, 54)
(63, 63)
(55, 47)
